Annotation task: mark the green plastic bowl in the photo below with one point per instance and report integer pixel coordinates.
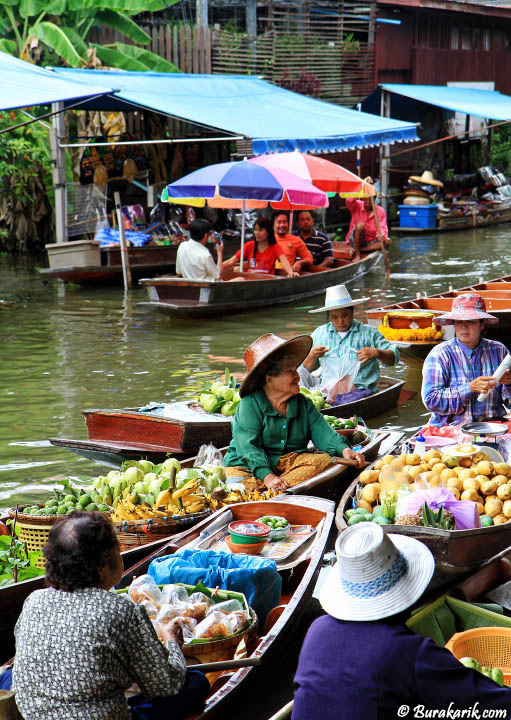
(248, 532)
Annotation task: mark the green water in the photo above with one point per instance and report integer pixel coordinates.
(64, 348)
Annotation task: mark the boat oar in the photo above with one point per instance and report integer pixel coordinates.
(284, 712)
(378, 230)
(226, 664)
(347, 461)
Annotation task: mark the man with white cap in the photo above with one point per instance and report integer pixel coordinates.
(343, 335)
(456, 371)
(361, 662)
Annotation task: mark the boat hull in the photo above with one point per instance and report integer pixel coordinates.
(464, 222)
(180, 297)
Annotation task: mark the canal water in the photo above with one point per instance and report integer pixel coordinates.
(64, 348)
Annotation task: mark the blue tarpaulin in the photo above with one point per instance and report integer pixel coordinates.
(481, 103)
(25, 85)
(276, 120)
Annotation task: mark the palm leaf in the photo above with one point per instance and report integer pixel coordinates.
(10, 3)
(124, 24)
(53, 37)
(130, 7)
(151, 60)
(77, 41)
(30, 8)
(115, 59)
(8, 46)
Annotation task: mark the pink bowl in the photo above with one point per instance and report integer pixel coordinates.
(438, 441)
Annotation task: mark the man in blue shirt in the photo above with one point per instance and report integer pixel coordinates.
(317, 242)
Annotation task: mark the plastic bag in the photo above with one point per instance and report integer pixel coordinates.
(145, 588)
(150, 608)
(256, 577)
(338, 374)
(227, 606)
(209, 455)
(215, 625)
(200, 597)
(180, 629)
(238, 620)
(172, 594)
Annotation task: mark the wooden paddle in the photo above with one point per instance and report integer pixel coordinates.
(380, 236)
(346, 461)
(226, 664)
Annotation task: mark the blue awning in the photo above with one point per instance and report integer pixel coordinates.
(276, 120)
(25, 85)
(481, 103)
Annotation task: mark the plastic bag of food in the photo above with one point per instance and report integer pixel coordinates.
(214, 625)
(208, 455)
(172, 594)
(167, 613)
(150, 608)
(180, 630)
(196, 610)
(238, 620)
(145, 588)
(200, 597)
(227, 606)
(338, 374)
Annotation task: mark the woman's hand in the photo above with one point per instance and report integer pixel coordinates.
(352, 455)
(274, 482)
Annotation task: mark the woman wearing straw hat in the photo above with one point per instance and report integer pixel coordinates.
(274, 422)
(363, 235)
(361, 662)
(456, 371)
(343, 335)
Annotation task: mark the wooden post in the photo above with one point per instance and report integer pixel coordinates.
(384, 150)
(378, 230)
(8, 708)
(126, 272)
(58, 158)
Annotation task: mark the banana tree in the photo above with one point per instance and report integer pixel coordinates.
(58, 32)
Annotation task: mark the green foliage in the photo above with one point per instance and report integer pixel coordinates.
(16, 563)
(501, 148)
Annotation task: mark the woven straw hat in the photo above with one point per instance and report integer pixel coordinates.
(469, 306)
(376, 575)
(337, 297)
(426, 179)
(261, 352)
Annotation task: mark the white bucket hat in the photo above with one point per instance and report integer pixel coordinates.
(376, 574)
(337, 297)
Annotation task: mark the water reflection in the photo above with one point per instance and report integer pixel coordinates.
(66, 348)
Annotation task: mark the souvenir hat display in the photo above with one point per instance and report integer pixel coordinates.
(417, 193)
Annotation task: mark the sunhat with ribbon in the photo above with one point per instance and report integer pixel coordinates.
(426, 179)
(259, 355)
(376, 574)
(469, 306)
(337, 297)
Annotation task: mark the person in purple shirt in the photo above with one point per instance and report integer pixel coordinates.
(456, 371)
(361, 662)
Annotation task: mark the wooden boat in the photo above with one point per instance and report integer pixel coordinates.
(448, 223)
(145, 261)
(299, 573)
(497, 296)
(455, 551)
(182, 298)
(126, 434)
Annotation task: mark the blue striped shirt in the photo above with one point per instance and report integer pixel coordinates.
(446, 374)
(358, 336)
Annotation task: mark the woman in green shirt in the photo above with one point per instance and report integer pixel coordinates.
(274, 422)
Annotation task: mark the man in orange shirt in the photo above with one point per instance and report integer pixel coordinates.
(363, 233)
(295, 249)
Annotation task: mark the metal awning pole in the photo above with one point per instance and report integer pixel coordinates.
(242, 235)
(126, 271)
(58, 160)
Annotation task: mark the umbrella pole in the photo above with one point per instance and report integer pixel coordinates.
(242, 234)
(291, 221)
(378, 230)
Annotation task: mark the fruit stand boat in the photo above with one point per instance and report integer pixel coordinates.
(182, 298)
(127, 434)
(419, 313)
(299, 572)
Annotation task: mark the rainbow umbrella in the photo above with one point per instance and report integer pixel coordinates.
(246, 185)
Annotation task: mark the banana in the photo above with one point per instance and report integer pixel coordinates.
(163, 498)
(195, 507)
(190, 487)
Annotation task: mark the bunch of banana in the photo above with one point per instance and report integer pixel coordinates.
(128, 508)
(188, 499)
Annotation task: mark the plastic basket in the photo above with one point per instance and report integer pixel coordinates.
(491, 646)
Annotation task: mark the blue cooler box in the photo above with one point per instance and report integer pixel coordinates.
(417, 216)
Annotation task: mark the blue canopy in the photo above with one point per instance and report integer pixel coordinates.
(482, 103)
(276, 120)
(24, 85)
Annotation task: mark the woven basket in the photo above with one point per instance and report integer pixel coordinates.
(141, 532)
(490, 646)
(223, 649)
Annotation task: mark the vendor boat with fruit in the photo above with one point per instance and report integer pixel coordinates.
(420, 497)
(411, 323)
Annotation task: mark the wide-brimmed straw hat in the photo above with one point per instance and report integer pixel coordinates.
(376, 575)
(469, 306)
(426, 178)
(337, 297)
(259, 355)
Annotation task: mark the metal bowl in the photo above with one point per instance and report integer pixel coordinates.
(485, 428)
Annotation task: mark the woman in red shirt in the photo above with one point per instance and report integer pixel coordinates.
(263, 252)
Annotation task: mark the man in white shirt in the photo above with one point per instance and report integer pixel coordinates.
(194, 261)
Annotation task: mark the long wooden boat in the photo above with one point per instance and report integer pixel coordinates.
(455, 551)
(182, 298)
(497, 296)
(448, 223)
(299, 573)
(145, 261)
